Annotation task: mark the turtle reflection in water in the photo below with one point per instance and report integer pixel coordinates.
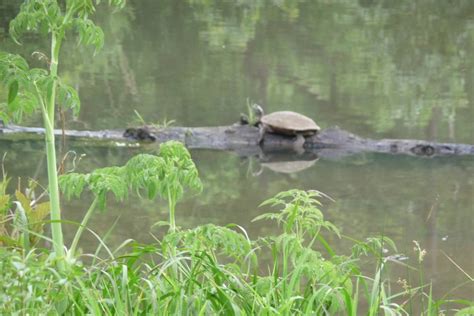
(287, 164)
(286, 123)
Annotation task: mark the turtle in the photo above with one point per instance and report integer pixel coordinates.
(286, 123)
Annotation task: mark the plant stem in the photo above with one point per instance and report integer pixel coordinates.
(56, 40)
(172, 204)
(81, 228)
(56, 229)
(48, 117)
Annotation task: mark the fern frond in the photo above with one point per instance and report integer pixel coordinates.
(72, 184)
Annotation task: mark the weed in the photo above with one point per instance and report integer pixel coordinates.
(34, 89)
(208, 269)
(163, 124)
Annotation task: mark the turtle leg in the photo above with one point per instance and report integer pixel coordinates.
(261, 132)
(299, 143)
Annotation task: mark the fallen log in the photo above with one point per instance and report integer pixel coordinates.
(331, 142)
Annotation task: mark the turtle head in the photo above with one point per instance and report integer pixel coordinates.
(258, 112)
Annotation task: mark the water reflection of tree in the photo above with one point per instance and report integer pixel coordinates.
(108, 78)
(390, 63)
(392, 67)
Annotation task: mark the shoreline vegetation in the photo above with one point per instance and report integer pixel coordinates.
(204, 270)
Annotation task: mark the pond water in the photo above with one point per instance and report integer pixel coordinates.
(380, 69)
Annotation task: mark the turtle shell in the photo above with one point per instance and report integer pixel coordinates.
(288, 122)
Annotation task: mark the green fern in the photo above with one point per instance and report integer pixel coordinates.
(216, 240)
(167, 174)
(300, 212)
(145, 172)
(72, 184)
(24, 87)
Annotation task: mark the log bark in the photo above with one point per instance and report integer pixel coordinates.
(331, 143)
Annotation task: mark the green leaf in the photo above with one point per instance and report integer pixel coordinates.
(24, 201)
(25, 103)
(167, 175)
(8, 241)
(466, 311)
(12, 91)
(41, 16)
(22, 82)
(4, 204)
(40, 212)
(72, 184)
(118, 3)
(69, 98)
(12, 67)
(4, 117)
(152, 190)
(171, 171)
(89, 33)
(299, 214)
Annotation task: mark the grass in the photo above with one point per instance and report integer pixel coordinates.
(211, 269)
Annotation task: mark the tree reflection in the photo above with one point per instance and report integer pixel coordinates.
(398, 68)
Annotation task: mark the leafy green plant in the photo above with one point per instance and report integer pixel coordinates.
(23, 226)
(166, 174)
(29, 283)
(298, 269)
(300, 213)
(34, 89)
(5, 204)
(209, 270)
(31, 215)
